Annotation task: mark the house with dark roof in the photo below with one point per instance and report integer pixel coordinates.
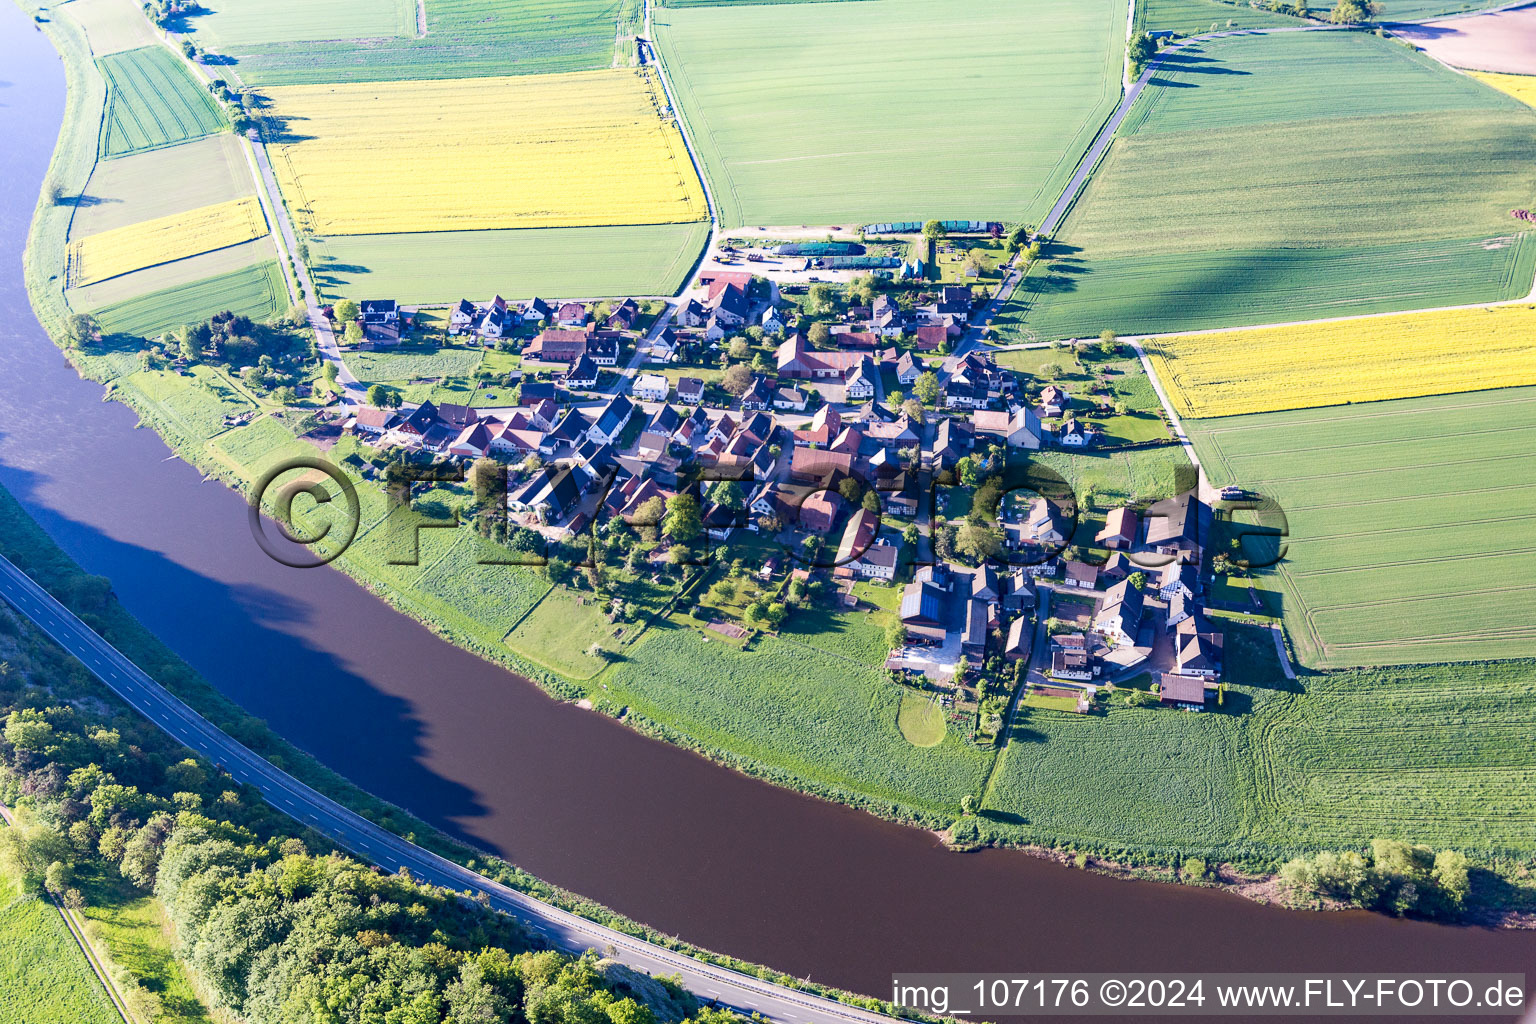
(1173, 526)
(557, 345)
(1021, 637)
(1197, 652)
(1046, 523)
(610, 423)
(624, 316)
(690, 390)
(925, 611)
(534, 311)
(973, 638)
(909, 367)
(861, 381)
(729, 306)
(462, 317)
(759, 396)
(1180, 691)
(1119, 618)
(603, 347)
(582, 375)
(693, 314)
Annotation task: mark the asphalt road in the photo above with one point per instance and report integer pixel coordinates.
(376, 845)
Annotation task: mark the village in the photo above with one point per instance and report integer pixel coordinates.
(842, 451)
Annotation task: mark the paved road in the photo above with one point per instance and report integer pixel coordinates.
(372, 843)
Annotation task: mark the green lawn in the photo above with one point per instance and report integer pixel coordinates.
(341, 42)
(404, 366)
(1409, 539)
(153, 101)
(44, 978)
(259, 292)
(1224, 199)
(849, 112)
(796, 714)
(552, 262)
(921, 720)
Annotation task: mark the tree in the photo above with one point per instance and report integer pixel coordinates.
(1109, 342)
(820, 335)
(895, 634)
(968, 804)
(1018, 237)
(728, 494)
(329, 372)
(912, 408)
(966, 467)
(872, 501)
(190, 351)
(910, 535)
(978, 262)
(738, 348)
(1353, 12)
(346, 311)
(737, 379)
(978, 540)
(651, 511)
(354, 332)
(820, 298)
(285, 395)
(850, 489)
(934, 230)
(682, 522)
(378, 396)
(1051, 371)
(926, 387)
(1142, 49)
(254, 376)
(82, 328)
(1138, 580)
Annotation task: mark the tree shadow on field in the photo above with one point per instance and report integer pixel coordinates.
(81, 202)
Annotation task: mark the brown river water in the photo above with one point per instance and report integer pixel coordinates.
(724, 861)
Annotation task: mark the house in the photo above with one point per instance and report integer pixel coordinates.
(1197, 653)
(818, 465)
(772, 322)
(557, 345)
(1053, 401)
(909, 367)
(416, 423)
(462, 317)
(473, 440)
(952, 439)
(552, 493)
(624, 316)
(818, 513)
(582, 375)
(1119, 531)
(790, 397)
(1019, 429)
(1177, 578)
(973, 638)
(1021, 636)
(1180, 691)
(860, 382)
(924, 611)
(663, 347)
(1046, 524)
(1173, 526)
(535, 312)
(371, 422)
(496, 321)
(891, 434)
(964, 394)
(858, 536)
(850, 441)
(1074, 435)
(759, 396)
(603, 347)
(957, 296)
(534, 393)
(611, 421)
(378, 311)
(887, 318)
(796, 360)
(544, 414)
(1080, 575)
(652, 387)
(715, 329)
(928, 337)
(571, 314)
(825, 426)
(1119, 618)
(456, 416)
(1069, 663)
(729, 306)
(690, 390)
(856, 339)
(878, 562)
(1180, 609)
(693, 314)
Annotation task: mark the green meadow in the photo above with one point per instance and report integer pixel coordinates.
(152, 101)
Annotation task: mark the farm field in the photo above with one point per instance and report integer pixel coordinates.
(824, 721)
(233, 25)
(44, 978)
(134, 188)
(1196, 17)
(1342, 363)
(551, 262)
(1521, 87)
(465, 39)
(1454, 156)
(1410, 538)
(1067, 296)
(165, 239)
(111, 26)
(164, 276)
(587, 148)
(152, 101)
(258, 291)
(806, 113)
(1502, 41)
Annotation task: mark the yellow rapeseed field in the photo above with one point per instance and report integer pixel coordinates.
(1521, 87)
(152, 242)
(533, 151)
(1299, 367)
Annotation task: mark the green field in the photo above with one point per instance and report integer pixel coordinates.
(1196, 17)
(44, 978)
(232, 26)
(258, 292)
(823, 721)
(1225, 200)
(133, 188)
(842, 112)
(1410, 532)
(152, 101)
(442, 267)
(1072, 297)
(1414, 10)
(465, 39)
(399, 367)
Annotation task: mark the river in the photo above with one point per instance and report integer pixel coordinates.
(661, 835)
